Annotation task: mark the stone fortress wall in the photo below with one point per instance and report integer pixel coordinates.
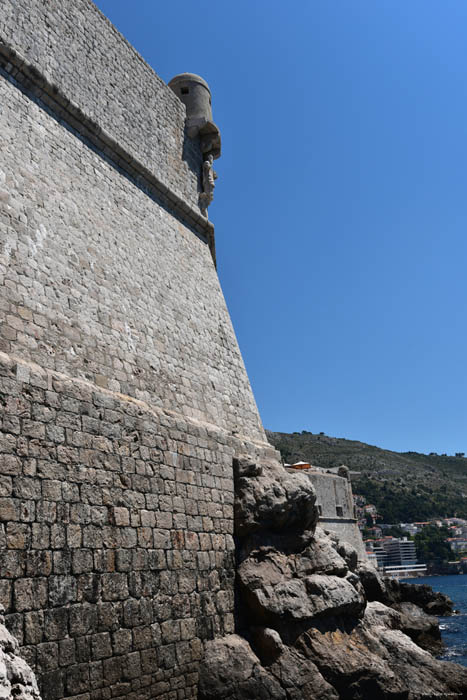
(335, 504)
(123, 394)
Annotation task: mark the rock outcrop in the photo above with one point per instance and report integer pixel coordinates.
(312, 620)
(17, 681)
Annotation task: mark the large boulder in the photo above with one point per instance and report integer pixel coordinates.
(424, 596)
(232, 671)
(373, 584)
(268, 498)
(320, 556)
(422, 628)
(275, 596)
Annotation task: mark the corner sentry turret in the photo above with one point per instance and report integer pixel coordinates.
(195, 94)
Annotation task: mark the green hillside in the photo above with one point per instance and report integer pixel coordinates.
(404, 486)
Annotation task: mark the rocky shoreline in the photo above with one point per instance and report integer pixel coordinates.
(312, 621)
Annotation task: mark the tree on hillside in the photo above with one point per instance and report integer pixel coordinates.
(431, 544)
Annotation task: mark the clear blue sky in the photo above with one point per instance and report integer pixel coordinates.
(341, 204)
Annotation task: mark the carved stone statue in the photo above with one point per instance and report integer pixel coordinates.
(209, 177)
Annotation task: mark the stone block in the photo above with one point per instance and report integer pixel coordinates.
(121, 516)
(30, 594)
(132, 666)
(122, 641)
(56, 624)
(82, 620)
(10, 464)
(101, 646)
(66, 652)
(47, 657)
(34, 627)
(114, 586)
(82, 560)
(62, 590)
(18, 536)
(8, 509)
(38, 563)
(77, 679)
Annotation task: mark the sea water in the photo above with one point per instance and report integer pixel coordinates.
(454, 628)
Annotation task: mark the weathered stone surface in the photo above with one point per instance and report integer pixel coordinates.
(267, 643)
(276, 597)
(423, 629)
(232, 671)
(175, 347)
(275, 501)
(373, 583)
(306, 597)
(108, 82)
(368, 659)
(301, 678)
(246, 466)
(320, 556)
(17, 681)
(349, 554)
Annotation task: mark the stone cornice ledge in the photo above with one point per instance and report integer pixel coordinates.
(28, 76)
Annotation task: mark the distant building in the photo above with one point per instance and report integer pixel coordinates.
(410, 528)
(395, 557)
(335, 502)
(457, 544)
(375, 531)
(375, 553)
(400, 552)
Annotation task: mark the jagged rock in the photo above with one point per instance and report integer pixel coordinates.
(301, 604)
(368, 659)
(422, 628)
(276, 597)
(287, 542)
(373, 584)
(377, 613)
(301, 678)
(320, 556)
(401, 595)
(232, 671)
(267, 644)
(424, 596)
(246, 466)
(17, 681)
(274, 500)
(393, 592)
(349, 554)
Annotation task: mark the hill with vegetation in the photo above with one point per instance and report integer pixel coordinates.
(404, 486)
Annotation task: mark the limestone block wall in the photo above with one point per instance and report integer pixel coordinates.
(116, 551)
(76, 49)
(123, 394)
(101, 281)
(333, 492)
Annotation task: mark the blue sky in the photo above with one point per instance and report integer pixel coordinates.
(340, 208)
